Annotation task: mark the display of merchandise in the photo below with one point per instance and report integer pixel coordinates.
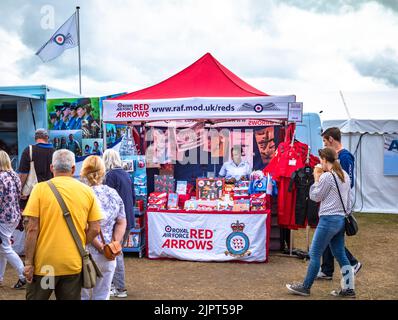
(229, 189)
(258, 202)
(241, 189)
(140, 204)
(243, 184)
(140, 181)
(164, 183)
(306, 209)
(157, 200)
(207, 205)
(182, 198)
(258, 185)
(127, 145)
(265, 184)
(140, 185)
(256, 175)
(139, 221)
(289, 157)
(172, 202)
(128, 165)
(227, 204)
(209, 189)
(181, 187)
(241, 205)
(134, 240)
(191, 204)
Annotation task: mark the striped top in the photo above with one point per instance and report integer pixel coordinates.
(325, 192)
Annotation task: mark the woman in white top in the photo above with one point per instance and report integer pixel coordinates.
(329, 180)
(113, 225)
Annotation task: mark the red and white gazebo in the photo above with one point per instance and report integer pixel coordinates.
(204, 90)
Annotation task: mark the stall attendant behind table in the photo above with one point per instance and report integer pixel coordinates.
(236, 168)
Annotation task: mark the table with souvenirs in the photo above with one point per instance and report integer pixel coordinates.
(222, 220)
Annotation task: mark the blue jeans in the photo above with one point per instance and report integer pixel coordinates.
(329, 232)
(119, 275)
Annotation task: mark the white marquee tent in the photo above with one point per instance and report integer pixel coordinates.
(374, 191)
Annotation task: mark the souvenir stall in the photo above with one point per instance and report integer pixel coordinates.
(216, 218)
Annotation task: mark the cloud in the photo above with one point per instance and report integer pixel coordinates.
(338, 6)
(281, 47)
(383, 67)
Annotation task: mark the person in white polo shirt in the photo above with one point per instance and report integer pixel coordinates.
(237, 167)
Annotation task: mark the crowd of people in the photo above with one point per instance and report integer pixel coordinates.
(103, 212)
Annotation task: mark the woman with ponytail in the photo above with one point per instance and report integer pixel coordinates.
(113, 225)
(330, 178)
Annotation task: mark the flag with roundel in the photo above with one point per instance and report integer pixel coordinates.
(64, 38)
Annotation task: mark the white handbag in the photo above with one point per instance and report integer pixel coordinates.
(31, 180)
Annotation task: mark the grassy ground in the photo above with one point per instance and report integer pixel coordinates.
(375, 246)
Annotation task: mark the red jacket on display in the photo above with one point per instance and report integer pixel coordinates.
(288, 158)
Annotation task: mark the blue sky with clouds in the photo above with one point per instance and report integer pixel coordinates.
(310, 48)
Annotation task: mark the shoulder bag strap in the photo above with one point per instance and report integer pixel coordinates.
(338, 190)
(68, 218)
(102, 237)
(30, 153)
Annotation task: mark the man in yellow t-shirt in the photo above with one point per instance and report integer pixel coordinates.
(52, 259)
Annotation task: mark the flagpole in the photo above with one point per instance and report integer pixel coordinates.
(78, 39)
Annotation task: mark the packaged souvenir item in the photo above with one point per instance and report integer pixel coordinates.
(139, 222)
(241, 205)
(182, 187)
(258, 201)
(191, 204)
(157, 200)
(229, 189)
(182, 198)
(209, 189)
(241, 188)
(133, 240)
(164, 183)
(226, 204)
(172, 201)
(207, 205)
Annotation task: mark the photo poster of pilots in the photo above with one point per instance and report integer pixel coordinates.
(75, 114)
(67, 139)
(92, 147)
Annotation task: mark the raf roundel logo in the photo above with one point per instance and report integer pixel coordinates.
(238, 243)
(258, 108)
(59, 39)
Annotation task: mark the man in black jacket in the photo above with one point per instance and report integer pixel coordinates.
(42, 153)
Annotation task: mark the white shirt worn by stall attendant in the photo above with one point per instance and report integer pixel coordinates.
(231, 170)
